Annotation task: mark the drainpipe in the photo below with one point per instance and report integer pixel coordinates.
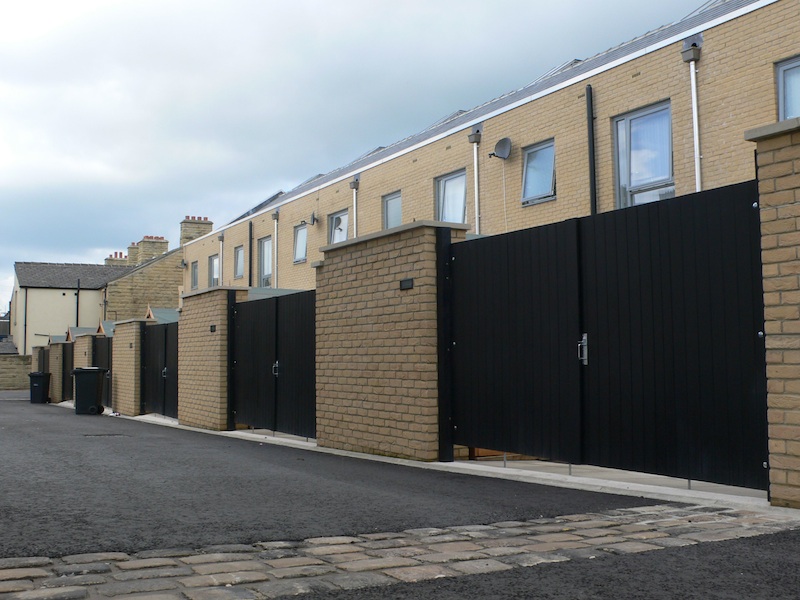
(592, 166)
(691, 54)
(250, 254)
(78, 305)
(354, 186)
(475, 139)
(221, 239)
(25, 325)
(274, 282)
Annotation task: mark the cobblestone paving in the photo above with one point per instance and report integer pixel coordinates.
(285, 568)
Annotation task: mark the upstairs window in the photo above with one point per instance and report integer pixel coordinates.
(789, 89)
(392, 210)
(451, 197)
(337, 227)
(539, 175)
(213, 270)
(300, 243)
(643, 142)
(265, 262)
(195, 275)
(238, 262)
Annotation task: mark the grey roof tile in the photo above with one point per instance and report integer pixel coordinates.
(66, 275)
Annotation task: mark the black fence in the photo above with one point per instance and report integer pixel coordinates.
(160, 369)
(630, 339)
(67, 363)
(274, 364)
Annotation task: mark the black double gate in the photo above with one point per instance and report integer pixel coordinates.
(102, 353)
(67, 365)
(274, 364)
(631, 339)
(160, 369)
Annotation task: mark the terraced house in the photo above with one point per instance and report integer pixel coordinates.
(659, 116)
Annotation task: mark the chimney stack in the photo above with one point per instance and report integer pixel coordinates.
(117, 259)
(195, 227)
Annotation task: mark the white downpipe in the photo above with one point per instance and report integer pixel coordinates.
(477, 189)
(355, 212)
(275, 256)
(696, 128)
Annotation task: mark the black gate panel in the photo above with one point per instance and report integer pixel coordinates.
(102, 353)
(160, 367)
(515, 314)
(296, 381)
(66, 371)
(254, 356)
(676, 379)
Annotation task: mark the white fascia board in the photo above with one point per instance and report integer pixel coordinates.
(508, 107)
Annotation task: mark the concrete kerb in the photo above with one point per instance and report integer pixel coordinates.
(481, 469)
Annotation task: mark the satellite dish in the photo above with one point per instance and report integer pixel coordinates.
(503, 148)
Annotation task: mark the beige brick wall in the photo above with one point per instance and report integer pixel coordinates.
(14, 371)
(155, 284)
(82, 355)
(56, 372)
(35, 359)
(779, 189)
(126, 378)
(736, 84)
(377, 379)
(203, 359)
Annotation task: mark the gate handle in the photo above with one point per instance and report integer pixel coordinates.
(583, 349)
(164, 373)
(275, 369)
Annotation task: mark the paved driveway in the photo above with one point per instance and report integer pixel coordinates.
(78, 483)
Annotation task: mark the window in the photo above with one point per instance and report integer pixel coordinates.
(195, 278)
(392, 210)
(644, 156)
(451, 197)
(539, 175)
(789, 89)
(213, 270)
(300, 243)
(337, 227)
(238, 262)
(265, 262)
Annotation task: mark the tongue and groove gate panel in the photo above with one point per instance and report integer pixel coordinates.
(274, 369)
(160, 363)
(669, 298)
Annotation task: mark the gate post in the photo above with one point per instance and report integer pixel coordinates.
(57, 372)
(778, 160)
(203, 357)
(377, 342)
(126, 369)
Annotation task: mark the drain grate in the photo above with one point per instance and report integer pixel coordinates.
(103, 435)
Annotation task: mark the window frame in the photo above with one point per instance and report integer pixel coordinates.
(780, 74)
(385, 200)
(213, 266)
(623, 190)
(262, 263)
(238, 262)
(331, 219)
(297, 230)
(551, 193)
(440, 186)
(194, 275)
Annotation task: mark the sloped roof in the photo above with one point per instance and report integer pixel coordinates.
(699, 19)
(7, 347)
(66, 275)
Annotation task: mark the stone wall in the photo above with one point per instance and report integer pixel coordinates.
(778, 156)
(56, 373)
(154, 284)
(126, 371)
(14, 371)
(377, 379)
(203, 358)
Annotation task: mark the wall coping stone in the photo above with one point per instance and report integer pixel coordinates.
(393, 231)
(118, 323)
(214, 289)
(766, 132)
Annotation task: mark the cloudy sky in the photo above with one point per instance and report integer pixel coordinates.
(120, 117)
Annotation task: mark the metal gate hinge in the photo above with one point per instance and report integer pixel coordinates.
(583, 349)
(275, 369)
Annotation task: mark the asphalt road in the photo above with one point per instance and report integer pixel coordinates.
(77, 483)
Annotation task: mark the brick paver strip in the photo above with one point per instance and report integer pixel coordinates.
(276, 568)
